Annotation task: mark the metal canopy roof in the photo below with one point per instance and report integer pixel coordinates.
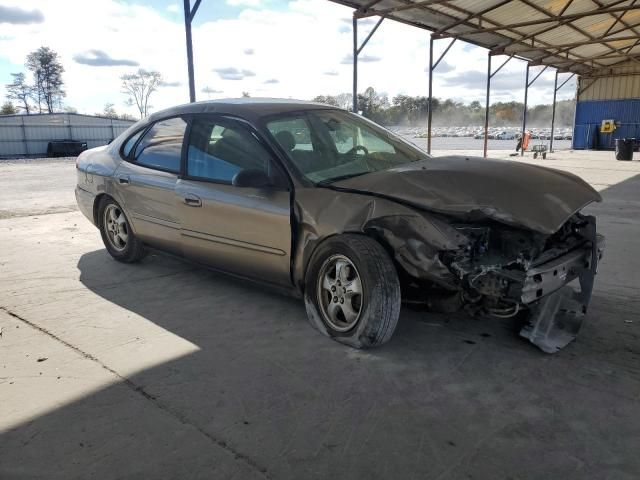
(578, 36)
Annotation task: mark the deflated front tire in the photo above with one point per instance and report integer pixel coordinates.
(352, 291)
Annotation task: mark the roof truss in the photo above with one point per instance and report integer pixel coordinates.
(578, 36)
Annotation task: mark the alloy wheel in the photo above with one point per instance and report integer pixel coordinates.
(340, 293)
(115, 226)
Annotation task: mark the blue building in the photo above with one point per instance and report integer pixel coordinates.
(607, 94)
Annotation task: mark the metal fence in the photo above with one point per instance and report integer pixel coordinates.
(29, 135)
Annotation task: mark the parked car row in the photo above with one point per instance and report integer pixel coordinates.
(494, 133)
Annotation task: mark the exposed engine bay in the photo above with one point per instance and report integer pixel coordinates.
(503, 271)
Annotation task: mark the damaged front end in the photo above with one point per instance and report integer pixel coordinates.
(503, 271)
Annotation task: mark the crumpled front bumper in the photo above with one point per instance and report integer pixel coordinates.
(557, 310)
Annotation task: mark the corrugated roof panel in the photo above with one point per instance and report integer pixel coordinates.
(555, 6)
(514, 13)
(437, 16)
(580, 6)
(594, 25)
(618, 83)
(560, 35)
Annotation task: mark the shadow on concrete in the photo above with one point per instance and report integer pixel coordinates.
(265, 396)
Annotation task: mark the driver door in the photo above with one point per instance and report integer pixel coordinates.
(242, 230)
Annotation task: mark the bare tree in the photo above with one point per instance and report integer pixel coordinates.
(20, 91)
(109, 111)
(47, 75)
(345, 100)
(139, 86)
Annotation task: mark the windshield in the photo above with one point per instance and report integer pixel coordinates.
(329, 145)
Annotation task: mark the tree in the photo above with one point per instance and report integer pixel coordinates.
(109, 111)
(47, 76)
(327, 99)
(345, 100)
(139, 87)
(8, 109)
(475, 106)
(372, 104)
(19, 90)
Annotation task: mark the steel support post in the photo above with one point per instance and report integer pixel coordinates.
(524, 113)
(553, 111)
(486, 112)
(355, 65)
(432, 67)
(356, 51)
(188, 18)
(430, 113)
(490, 75)
(575, 113)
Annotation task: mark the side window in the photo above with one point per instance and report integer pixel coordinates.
(375, 144)
(126, 150)
(347, 136)
(161, 146)
(218, 149)
(292, 134)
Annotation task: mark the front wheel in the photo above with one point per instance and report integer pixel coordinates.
(352, 291)
(122, 244)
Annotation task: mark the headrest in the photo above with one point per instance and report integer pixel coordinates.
(286, 140)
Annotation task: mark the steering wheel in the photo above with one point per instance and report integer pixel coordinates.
(356, 148)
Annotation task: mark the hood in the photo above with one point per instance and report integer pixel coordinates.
(537, 198)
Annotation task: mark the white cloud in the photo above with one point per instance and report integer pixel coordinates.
(244, 3)
(174, 8)
(302, 46)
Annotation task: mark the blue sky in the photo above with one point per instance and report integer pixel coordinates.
(276, 48)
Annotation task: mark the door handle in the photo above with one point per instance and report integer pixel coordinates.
(192, 200)
(124, 180)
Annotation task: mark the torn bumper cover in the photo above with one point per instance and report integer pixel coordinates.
(505, 273)
(556, 310)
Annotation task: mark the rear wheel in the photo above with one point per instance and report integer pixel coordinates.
(118, 238)
(352, 291)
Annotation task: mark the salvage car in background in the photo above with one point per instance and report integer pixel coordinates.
(348, 215)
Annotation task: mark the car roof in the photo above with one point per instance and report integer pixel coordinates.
(250, 109)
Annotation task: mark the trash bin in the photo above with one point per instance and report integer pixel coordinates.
(624, 148)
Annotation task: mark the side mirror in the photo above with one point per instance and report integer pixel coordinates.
(251, 178)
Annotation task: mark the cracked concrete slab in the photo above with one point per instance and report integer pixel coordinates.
(115, 429)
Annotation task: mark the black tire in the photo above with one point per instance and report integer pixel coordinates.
(133, 250)
(380, 300)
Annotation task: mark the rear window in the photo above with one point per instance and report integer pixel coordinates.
(126, 150)
(161, 146)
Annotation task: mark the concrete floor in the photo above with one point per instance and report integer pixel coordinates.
(166, 370)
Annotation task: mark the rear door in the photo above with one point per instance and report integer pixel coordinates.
(242, 230)
(147, 181)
